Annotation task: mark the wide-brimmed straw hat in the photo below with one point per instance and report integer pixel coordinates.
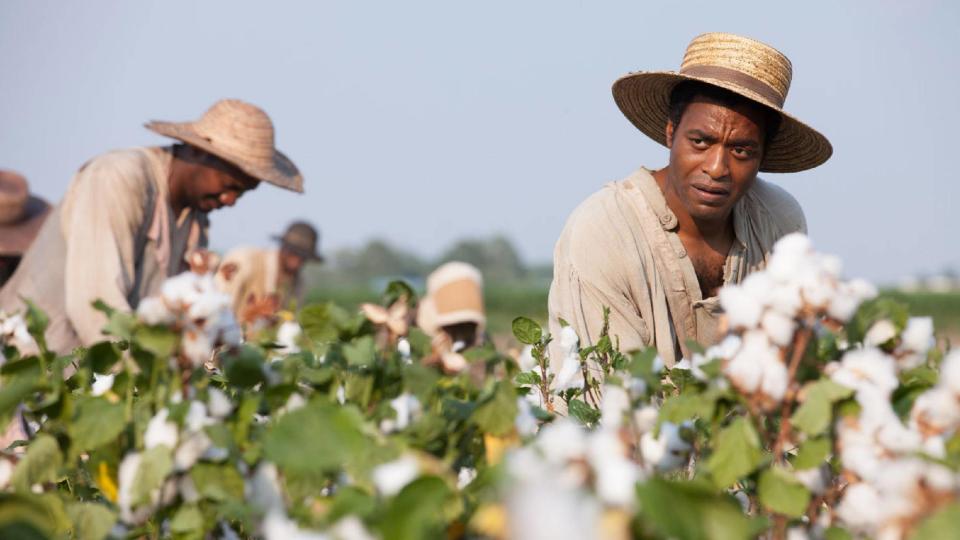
(241, 134)
(454, 296)
(21, 214)
(302, 239)
(741, 65)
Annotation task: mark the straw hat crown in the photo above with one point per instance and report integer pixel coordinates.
(743, 66)
(241, 134)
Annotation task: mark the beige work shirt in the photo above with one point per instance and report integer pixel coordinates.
(113, 237)
(620, 249)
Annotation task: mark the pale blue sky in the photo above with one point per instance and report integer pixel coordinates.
(423, 122)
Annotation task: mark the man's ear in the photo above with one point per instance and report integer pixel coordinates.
(669, 133)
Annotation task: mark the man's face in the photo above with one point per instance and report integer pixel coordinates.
(290, 261)
(715, 155)
(216, 183)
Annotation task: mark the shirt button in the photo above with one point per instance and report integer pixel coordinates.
(682, 253)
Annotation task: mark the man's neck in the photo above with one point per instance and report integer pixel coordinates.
(177, 196)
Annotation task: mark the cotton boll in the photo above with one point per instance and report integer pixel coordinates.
(263, 489)
(814, 479)
(742, 309)
(160, 431)
(403, 348)
(615, 475)
(881, 332)
(950, 372)
(789, 253)
(180, 291)
(615, 403)
(861, 507)
(785, 299)
(526, 361)
(196, 347)
(569, 341)
(101, 384)
(569, 376)
(935, 412)
(126, 475)
(561, 441)
(725, 349)
(407, 408)
(779, 327)
(544, 509)
(350, 528)
(190, 450)
(865, 368)
(197, 417)
(746, 369)
(465, 476)
(666, 452)
(525, 423)
(842, 306)
(797, 533)
(390, 478)
(154, 311)
(220, 405)
(645, 418)
(289, 332)
(774, 380)
(637, 387)
(277, 526)
(294, 401)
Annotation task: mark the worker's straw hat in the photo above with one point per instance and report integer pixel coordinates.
(21, 214)
(454, 296)
(241, 134)
(301, 238)
(741, 65)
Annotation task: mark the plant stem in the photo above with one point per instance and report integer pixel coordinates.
(800, 342)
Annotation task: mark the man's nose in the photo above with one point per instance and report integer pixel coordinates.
(228, 198)
(715, 162)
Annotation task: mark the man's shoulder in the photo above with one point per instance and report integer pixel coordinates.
(771, 202)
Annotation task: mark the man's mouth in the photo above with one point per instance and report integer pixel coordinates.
(709, 193)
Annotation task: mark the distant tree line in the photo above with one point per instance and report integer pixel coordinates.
(376, 262)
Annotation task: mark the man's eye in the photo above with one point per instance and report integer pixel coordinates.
(697, 141)
(741, 151)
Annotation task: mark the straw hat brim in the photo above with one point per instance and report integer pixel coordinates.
(15, 238)
(644, 98)
(282, 173)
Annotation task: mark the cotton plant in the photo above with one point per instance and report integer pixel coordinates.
(192, 304)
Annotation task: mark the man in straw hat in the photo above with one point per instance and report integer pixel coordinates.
(251, 274)
(656, 246)
(21, 216)
(130, 216)
(452, 310)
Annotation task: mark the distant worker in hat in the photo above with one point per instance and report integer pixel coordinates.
(452, 310)
(130, 216)
(21, 215)
(251, 274)
(657, 246)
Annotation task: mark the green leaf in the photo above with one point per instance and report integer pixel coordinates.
(689, 405)
(398, 289)
(321, 322)
(531, 378)
(13, 392)
(583, 413)
(836, 533)
(244, 367)
(737, 453)
(351, 501)
(413, 514)
(527, 331)
(217, 482)
(102, 356)
(37, 322)
(782, 493)
(814, 415)
(121, 325)
(691, 511)
(944, 523)
(187, 520)
(95, 423)
(361, 352)
(25, 517)
(497, 413)
(157, 340)
(155, 464)
(317, 438)
(813, 452)
(91, 521)
(41, 464)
